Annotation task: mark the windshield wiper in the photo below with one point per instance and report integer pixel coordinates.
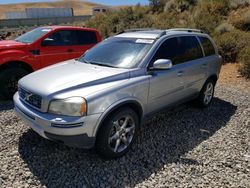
(104, 65)
(99, 64)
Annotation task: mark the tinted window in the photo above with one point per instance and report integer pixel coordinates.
(207, 46)
(85, 37)
(168, 50)
(179, 50)
(61, 38)
(189, 49)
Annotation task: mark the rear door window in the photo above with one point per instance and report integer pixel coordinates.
(207, 46)
(189, 49)
(85, 37)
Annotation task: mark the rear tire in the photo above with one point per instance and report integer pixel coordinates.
(8, 81)
(206, 94)
(117, 133)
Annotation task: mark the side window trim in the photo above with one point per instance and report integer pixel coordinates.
(201, 46)
(213, 43)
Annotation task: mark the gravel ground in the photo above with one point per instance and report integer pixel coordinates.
(183, 147)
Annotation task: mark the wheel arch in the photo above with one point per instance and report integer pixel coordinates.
(213, 77)
(17, 63)
(133, 104)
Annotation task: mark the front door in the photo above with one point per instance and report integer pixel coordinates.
(56, 48)
(166, 86)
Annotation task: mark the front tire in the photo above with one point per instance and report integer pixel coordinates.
(206, 94)
(117, 133)
(8, 81)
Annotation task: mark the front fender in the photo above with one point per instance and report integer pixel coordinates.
(113, 107)
(133, 90)
(18, 55)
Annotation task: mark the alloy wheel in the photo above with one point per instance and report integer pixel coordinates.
(208, 94)
(122, 133)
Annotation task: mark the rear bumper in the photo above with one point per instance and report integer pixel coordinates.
(72, 131)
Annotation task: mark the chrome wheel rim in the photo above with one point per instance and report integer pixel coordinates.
(122, 133)
(208, 94)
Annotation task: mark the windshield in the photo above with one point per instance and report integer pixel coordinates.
(118, 52)
(33, 35)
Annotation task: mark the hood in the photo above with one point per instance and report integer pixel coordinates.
(70, 75)
(9, 44)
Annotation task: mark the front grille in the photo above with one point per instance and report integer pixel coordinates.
(31, 98)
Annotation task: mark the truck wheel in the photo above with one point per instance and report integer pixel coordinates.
(117, 133)
(206, 94)
(8, 81)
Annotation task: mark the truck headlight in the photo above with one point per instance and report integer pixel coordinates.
(73, 106)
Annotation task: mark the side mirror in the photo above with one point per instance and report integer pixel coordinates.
(47, 42)
(162, 64)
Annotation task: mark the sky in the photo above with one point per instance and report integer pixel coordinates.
(105, 2)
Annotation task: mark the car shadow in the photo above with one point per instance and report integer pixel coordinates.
(164, 139)
(6, 105)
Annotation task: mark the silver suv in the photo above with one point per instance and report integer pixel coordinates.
(102, 98)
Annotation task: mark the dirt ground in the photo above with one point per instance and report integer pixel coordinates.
(230, 76)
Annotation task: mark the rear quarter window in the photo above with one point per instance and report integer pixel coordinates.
(207, 46)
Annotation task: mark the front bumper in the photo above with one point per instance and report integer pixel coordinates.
(72, 131)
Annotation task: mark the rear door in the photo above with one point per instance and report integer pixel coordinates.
(83, 40)
(211, 59)
(194, 68)
(60, 48)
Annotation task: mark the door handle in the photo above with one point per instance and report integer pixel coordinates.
(204, 65)
(70, 50)
(180, 73)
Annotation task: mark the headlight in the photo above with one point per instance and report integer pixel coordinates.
(74, 106)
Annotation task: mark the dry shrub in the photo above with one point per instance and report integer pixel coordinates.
(231, 43)
(209, 14)
(223, 28)
(241, 19)
(244, 58)
(235, 4)
(117, 21)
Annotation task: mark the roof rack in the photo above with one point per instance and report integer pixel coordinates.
(185, 29)
(136, 29)
(143, 29)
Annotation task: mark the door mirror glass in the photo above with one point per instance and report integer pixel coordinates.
(48, 42)
(162, 64)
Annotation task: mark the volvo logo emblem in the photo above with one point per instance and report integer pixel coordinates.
(27, 96)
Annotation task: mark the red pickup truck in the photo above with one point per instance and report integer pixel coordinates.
(39, 48)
